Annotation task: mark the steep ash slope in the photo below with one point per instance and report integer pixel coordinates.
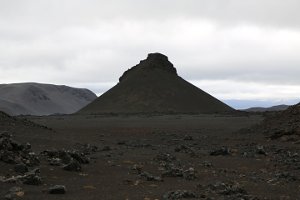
(153, 86)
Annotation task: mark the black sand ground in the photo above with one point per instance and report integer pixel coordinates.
(135, 150)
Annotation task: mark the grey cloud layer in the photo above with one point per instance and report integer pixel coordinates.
(270, 12)
(61, 12)
(81, 42)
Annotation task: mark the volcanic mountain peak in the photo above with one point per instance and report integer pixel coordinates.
(152, 62)
(153, 86)
(158, 60)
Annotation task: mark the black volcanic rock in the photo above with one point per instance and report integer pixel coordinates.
(153, 86)
(57, 189)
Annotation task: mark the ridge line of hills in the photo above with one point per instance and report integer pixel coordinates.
(42, 99)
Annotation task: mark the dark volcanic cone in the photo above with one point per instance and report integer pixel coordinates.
(153, 86)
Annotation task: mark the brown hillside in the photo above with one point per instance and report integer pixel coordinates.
(153, 86)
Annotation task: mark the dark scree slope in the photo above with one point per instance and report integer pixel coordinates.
(153, 86)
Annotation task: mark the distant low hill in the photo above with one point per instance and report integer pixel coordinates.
(42, 99)
(262, 109)
(153, 86)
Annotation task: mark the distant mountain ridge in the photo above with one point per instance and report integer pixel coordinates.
(153, 86)
(42, 99)
(262, 109)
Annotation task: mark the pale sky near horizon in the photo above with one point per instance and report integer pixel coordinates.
(245, 53)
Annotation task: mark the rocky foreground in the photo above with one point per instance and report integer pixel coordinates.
(151, 157)
(25, 164)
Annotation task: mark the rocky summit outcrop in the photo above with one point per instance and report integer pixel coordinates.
(42, 99)
(153, 61)
(153, 86)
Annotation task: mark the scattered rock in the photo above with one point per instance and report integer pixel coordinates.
(190, 174)
(86, 149)
(186, 149)
(207, 164)
(21, 168)
(287, 176)
(188, 138)
(137, 168)
(179, 194)
(287, 158)
(57, 189)
(14, 193)
(121, 143)
(227, 191)
(106, 148)
(57, 155)
(166, 157)
(170, 170)
(55, 161)
(80, 157)
(71, 160)
(12, 152)
(150, 177)
(260, 150)
(224, 151)
(74, 165)
(227, 188)
(30, 178)
(139, 144)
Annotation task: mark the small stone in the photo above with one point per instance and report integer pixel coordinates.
(14, 193)
(121, 143)
(188, 138)
(74, 165)
(190, 174)
(65, 157)
(81, 158)
(55, 161)
(172, 171)
(260, 150)
(150, 177)
(32, 179)
(207, 164)
(137, 168)
(224, 151)
(57, 189)
(166, 157)
(179, 194)
(106, 148)
(21, 168)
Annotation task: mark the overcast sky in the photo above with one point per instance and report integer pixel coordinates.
(237, 50)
